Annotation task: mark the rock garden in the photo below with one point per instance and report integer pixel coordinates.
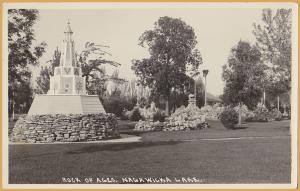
(64, 128)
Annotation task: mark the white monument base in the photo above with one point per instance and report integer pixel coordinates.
(66, 104)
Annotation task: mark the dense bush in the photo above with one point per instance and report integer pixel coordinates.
(113, 105)
(135, 115)
(117, 105)
(276, 114)
(229, 118)
(159, 116)
(262, 114)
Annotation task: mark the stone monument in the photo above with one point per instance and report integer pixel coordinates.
(66, 113)
(67, 93)
(192, 99)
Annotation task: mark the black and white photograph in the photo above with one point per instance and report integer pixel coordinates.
(150, 95)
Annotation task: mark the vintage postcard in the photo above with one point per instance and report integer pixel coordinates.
(150, 95)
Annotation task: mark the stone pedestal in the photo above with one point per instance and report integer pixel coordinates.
(192, 99)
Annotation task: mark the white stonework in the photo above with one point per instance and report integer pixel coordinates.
(67, 77)
(67, 93)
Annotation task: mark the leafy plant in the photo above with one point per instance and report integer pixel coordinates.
(159, 116)
(135, 115)
(172, 48)
(229, 118)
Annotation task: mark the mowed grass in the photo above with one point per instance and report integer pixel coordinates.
(164, 154)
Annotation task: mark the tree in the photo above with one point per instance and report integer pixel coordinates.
(274, 42)
(21, 54)
(200, 92)
(171, 45)
(92, 59)
(274, 87)
(43, 80)
(243, 76)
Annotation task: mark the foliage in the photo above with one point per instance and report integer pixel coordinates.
(159, 116)
(135, 115)
(92, 59)
(21, 55)
(274, 41)
(43, 80)
(262, 114)
(117, 104)
(243, 76)
(276, 114)
(200, 92)
(229, 118)
(171, 45)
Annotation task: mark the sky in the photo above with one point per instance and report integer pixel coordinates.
(217, 31)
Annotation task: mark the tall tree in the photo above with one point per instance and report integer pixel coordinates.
(171, 45)
(199, 92)
(274, 41)
(43, 80)
(21, 54)
(243, 76)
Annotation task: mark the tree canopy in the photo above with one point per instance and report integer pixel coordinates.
(274, 41)
(171, 45)
(21, 55)
(243, 75)
(43, 80)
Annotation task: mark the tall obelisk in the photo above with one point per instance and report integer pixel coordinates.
(67, 93)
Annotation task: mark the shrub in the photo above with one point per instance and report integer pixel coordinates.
(276, 114)
(135, 115)
(113, 105)
(261, 114)
(159, 116)
(229, 118)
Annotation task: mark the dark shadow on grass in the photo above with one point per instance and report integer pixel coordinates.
(120, 146)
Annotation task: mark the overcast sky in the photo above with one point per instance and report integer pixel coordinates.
(217, 30)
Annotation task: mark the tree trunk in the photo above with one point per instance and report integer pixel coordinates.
(167, 107)
(240, 114)
(278, 103)
(205, 94)
(195, 88)
(264, 98)
(13, 106)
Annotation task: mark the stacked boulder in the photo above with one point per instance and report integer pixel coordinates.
(149, 126)
(64, 128)
(184, 118)
(212, 112)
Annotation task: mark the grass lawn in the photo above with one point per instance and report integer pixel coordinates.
(164, 154)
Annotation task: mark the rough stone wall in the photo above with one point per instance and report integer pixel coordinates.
(64, 128)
